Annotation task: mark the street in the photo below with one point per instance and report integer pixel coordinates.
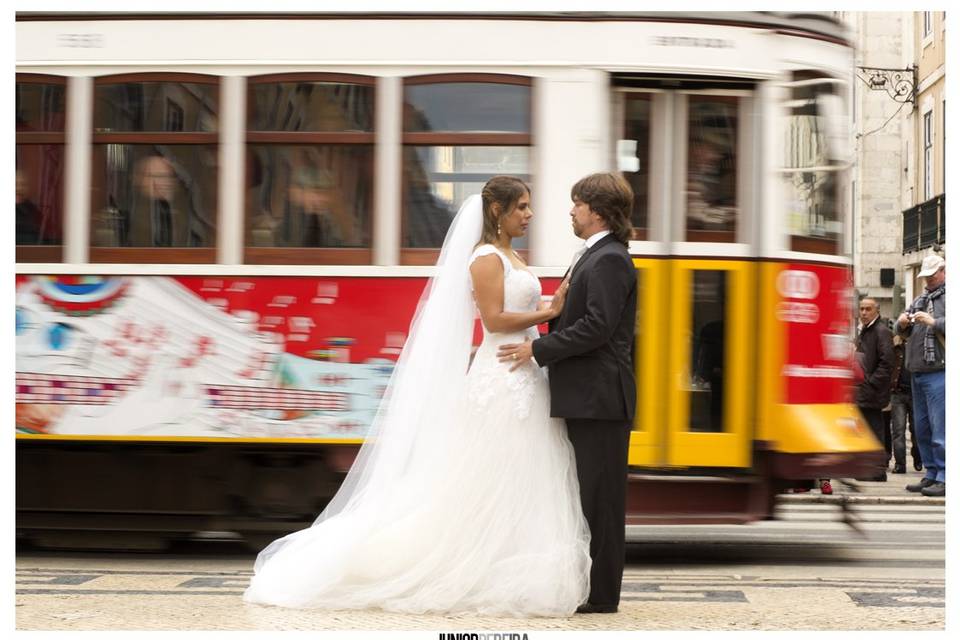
(806, 570)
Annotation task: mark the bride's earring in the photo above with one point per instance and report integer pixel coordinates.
(498, 229)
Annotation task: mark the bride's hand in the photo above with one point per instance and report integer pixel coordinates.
(559, 298)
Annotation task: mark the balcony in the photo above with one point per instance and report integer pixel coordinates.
(925, 224)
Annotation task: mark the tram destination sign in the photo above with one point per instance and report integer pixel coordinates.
(689, 41)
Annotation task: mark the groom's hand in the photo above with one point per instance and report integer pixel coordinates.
(518, 353)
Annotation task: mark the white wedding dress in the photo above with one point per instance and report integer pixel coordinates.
(489, 522)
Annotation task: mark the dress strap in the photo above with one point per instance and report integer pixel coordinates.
(487, 249)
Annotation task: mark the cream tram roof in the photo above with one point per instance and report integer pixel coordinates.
(814, 22)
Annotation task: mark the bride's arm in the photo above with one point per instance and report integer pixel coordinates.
(487, 274)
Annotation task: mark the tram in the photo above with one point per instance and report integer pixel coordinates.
(224, 223)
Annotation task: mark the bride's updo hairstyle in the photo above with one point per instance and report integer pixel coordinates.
(505, 191)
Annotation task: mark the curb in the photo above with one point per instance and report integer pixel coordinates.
(858, 499)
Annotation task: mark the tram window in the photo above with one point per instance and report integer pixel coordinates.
(459, 131)
(41, 103)
(157, 196)
(438, 179)
(310, 106)
(467, 106)
(712, 165)
(155, 106)
(309, 173)
(40, 138)
(814, 156)
(637, 130)
(309, 195)
(709, 304)
(154, 171)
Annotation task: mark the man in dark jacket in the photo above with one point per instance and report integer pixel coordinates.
(875, 342)
(901, 410)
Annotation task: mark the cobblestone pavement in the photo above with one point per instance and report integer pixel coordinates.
(806, 570)
(64, 593)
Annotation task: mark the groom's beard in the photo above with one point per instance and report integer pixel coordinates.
(577, 229)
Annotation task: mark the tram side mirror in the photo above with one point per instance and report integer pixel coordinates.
(627, 160)
(834, 121)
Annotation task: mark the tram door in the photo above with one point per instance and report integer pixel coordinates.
(687, 149)
(694, 363)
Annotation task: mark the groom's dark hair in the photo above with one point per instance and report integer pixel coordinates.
(610, 197)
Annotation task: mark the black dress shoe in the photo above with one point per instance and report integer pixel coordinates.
(920, 486)
(880, 478)
(935, 490)
(589, 607)
(899, 468)
(917, 465)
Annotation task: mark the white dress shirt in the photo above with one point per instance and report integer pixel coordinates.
(589, 242)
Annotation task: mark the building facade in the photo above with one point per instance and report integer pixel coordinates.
(877, 131)
(924, 185)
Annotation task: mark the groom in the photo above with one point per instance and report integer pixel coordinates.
(589, 355)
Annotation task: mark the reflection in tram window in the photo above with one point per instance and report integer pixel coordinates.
(438, 179)
(814, 154)
(155, 106)
(708, 335)
(712, 168)
(154, 173)
(637, 131)
(40, 106)
(309, 166)
(310, 106)
(309, 195)
(39, 193)
(154, 195)
(40, 138)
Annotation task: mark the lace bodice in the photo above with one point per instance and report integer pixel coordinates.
(521, 289)
(489, 378)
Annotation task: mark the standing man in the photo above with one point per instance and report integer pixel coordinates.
(925, 322)
(875, 342)
(901, 410)
(589, 355)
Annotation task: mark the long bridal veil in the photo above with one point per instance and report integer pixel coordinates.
(411, 430)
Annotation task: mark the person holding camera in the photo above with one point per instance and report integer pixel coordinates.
(925, 322)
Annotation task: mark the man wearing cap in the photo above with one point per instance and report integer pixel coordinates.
(926, 324)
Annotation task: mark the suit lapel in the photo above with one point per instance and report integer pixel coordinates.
(561, 321)
(599, 243)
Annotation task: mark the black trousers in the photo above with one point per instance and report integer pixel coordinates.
(887, 433)
(601, 447)
(874, 418)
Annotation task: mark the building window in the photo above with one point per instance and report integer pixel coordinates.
(154, 168)
(927, 155)
(927, 24)
(712, 202)
(813, 163)
(40, 140)
(309, 179)
(459, 130)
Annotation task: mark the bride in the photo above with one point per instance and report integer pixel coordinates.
(464, 496)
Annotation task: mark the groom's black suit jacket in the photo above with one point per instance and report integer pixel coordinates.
(590, 345)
